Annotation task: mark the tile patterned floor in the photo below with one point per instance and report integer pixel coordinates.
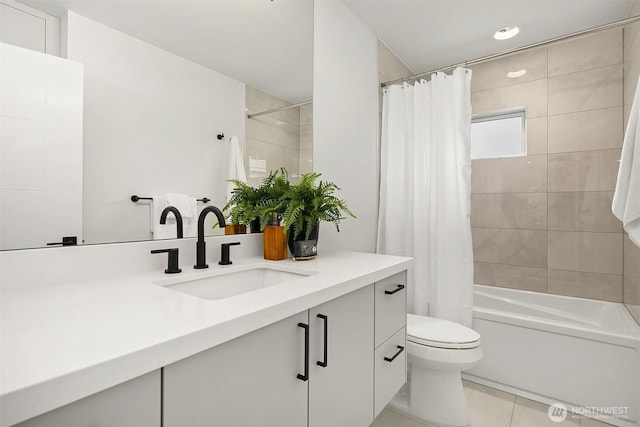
(493, 408)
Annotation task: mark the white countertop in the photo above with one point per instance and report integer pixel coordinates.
(61, 343)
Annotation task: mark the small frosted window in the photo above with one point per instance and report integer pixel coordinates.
(498, 135)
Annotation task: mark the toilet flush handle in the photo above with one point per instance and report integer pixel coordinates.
(398, 289)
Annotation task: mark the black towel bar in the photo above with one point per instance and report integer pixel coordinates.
(135, 198)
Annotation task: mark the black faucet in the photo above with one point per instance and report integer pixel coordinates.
(225, 259)
(176, 213)
(201, 246)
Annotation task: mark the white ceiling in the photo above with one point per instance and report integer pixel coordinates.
(429, 34)
(269, 44)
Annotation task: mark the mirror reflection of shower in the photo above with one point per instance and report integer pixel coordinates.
(278, 134)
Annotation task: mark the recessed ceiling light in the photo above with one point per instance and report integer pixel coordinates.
(506, 33)
(516, 74)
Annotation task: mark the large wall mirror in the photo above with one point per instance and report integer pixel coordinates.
(165, 87)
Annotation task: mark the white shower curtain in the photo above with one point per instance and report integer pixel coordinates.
(425, 192)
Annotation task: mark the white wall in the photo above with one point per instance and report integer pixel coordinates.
(40, 148)
(24, 26)
(151, 120)
(345, 121)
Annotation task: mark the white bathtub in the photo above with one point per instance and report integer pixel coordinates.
(550, 348)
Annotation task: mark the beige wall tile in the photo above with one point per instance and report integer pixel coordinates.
(390, 67)
(511, 276)
(306, 114)
(587, 130)
(586, 90)
(631, 40)
(512, 247)
(273, 131)
(291, 161)
(585, 285)
(631, 261)
(583, 211)
(509, 210)
(306, 137)
(587, 252)
(627, 113)
(526, 174)
(575, 122)
(256, 100)
(537, 136)
(306, 161)
(631, 292)
(635, 8)
(493, 74)
(273, 154)
(635, 311)
(631, 72)
(532, 95)
(593, 51)
(584, 171)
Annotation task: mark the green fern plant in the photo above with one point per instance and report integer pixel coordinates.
(248, 203)
(306, 203)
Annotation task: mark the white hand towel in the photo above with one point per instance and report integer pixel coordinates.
(188, 208)
(626, 199)
(160, 231)
(186, 205)
(236, 165)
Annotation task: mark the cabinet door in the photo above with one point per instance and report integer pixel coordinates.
(391, 313)
(133, 403)
(341, 393)
(391, 369)
(250, 381)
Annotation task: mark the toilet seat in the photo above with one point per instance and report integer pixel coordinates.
(440, 333)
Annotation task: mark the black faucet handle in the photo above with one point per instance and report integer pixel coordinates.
(225, 258)
(172, 263)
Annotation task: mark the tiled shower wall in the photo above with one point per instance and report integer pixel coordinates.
(305, 160)
(273, 140)
(631, 282)
(543, 222)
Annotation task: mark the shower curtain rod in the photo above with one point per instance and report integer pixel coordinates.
(518, 49)
(275, 110)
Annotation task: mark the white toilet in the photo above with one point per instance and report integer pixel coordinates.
(438, 351)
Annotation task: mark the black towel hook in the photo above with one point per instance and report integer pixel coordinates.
(220, 136)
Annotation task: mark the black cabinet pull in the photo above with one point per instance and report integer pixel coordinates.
(326, 335)
(66, 241)
(398, 289)
(305, 377)
(400, 350)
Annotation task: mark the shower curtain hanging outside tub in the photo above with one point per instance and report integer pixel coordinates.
(425, 192)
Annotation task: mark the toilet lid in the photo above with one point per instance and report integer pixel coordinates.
(440, 333)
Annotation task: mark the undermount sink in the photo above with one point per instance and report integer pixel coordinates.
(232, 281)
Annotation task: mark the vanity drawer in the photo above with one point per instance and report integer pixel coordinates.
(390, 300)
(391, 369)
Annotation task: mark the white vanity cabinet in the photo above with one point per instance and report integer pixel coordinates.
(249, 381)
(390, 342)
(340, 393)
(261, 378)
(336, 364)
(133, 403)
